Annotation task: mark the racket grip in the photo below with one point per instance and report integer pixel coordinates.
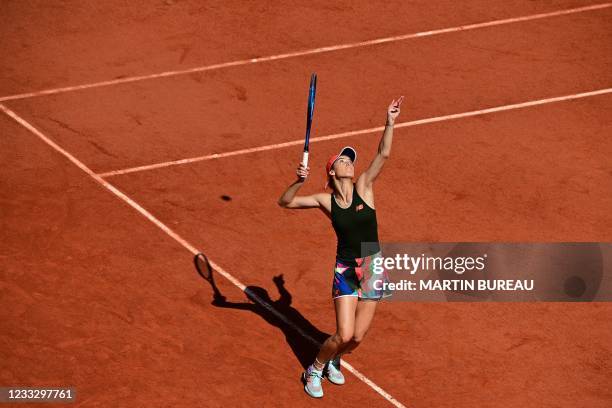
(305, 159)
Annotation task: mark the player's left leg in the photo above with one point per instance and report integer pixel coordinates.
(364, 314)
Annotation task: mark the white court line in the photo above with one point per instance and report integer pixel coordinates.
(308, 52)
(356, 132)
(188, 246)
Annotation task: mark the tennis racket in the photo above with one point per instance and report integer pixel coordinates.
(309, 113)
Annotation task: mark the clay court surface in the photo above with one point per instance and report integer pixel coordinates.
(98, 289)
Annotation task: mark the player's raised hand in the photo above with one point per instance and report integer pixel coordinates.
(393, 110)
(302, 172)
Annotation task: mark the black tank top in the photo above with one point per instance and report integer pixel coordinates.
(354, 225)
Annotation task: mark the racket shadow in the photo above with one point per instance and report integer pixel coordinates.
(304, 350)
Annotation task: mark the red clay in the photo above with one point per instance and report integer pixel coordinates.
(95, 296)
(53, 44)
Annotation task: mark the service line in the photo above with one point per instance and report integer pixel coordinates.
(356, 132)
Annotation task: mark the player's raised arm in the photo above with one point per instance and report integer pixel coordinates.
(384, 147)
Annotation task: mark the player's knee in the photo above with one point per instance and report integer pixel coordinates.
(345, 336)
(358, 337)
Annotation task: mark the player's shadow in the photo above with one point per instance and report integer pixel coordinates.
(304, 349)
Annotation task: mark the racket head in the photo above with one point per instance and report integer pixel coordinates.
(310, 109)
(312, 94)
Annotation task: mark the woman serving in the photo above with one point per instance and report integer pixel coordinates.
(350, 206)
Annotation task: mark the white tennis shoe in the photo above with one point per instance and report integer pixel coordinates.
(312, 382)
(333, 373)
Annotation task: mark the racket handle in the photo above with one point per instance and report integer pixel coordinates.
(305, 159)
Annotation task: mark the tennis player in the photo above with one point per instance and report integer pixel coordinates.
(350, 206)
